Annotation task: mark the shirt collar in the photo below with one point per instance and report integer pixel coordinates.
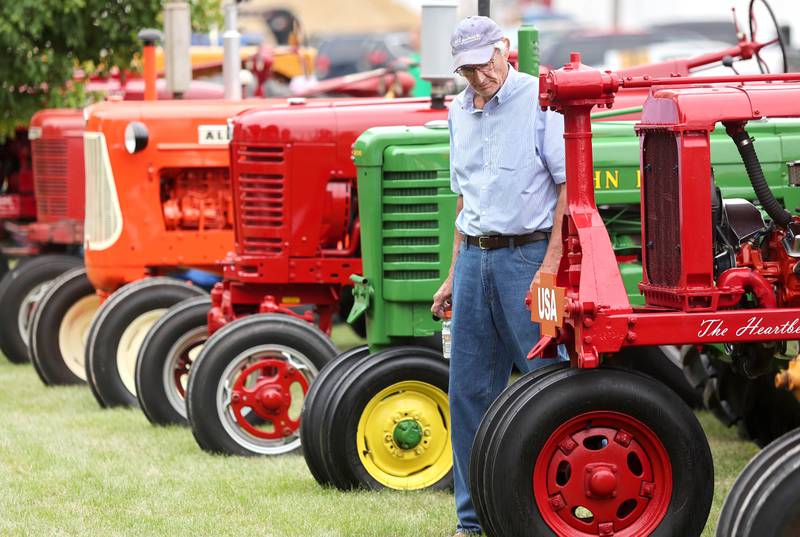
(505, 91)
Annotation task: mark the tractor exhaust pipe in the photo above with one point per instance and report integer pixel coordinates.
(177, 39)
(232, 61)
(150, 38)
(439, 19)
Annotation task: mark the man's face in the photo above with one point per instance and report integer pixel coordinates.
(486, 79)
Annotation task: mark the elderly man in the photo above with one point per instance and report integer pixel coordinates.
(507, 166)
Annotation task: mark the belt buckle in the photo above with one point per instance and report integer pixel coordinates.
(481, 244)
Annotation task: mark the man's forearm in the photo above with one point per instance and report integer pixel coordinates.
(456, 236)
(552, 256)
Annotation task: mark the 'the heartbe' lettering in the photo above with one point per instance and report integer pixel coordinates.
(717, 328)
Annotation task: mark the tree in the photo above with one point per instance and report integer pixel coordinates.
(42, 42)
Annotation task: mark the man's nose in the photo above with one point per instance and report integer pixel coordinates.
(480, 76)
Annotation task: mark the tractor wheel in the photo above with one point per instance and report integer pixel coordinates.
(765, 498)
(659, 363)
(499, 406)
(165, 358)
(594, 452)
(60, 327)
(316, 400)
(388, 424)
(118, 330)
(247, 386)
(20, 290)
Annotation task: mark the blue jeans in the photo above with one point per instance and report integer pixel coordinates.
(491, 331)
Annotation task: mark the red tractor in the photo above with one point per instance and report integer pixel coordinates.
(607, 451)
(297, 244)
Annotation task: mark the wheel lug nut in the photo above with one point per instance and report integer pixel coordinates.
(557, 502)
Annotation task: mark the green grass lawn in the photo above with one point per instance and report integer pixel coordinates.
(68, 467)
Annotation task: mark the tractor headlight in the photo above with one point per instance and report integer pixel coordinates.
(135, 137)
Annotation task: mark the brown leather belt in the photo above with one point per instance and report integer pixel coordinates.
(490, 242)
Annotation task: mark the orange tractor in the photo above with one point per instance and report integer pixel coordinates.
(158, 202)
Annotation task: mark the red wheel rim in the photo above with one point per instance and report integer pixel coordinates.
(269, 397)
(603, 473)
(180, 372)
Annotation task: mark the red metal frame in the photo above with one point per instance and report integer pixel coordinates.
(598, 316)
(299, 243)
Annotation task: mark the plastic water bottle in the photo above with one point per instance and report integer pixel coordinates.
(446, 341)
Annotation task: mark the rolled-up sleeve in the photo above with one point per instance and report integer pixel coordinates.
(454, 186)
(550, 141)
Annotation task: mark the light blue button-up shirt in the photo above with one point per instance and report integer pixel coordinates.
(506, 159)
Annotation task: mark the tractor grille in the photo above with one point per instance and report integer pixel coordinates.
(412, 224)
(662, 208)
(103, 221)
(50, 169)
(261, 199)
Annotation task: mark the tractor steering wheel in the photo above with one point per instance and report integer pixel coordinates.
(762, 65)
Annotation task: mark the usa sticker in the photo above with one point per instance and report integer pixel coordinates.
(212, 134)
(547, 304)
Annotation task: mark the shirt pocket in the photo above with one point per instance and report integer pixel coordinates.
(516, 153)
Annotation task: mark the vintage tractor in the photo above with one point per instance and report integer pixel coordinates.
(51, 230)
(297, 244)
(158, 201)
(396, 308)
(607, 451)
(378, 416)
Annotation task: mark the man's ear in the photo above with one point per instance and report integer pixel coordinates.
(508, 48)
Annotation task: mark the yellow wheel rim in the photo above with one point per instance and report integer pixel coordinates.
(129, 344)
(73, 332)
(427, 460)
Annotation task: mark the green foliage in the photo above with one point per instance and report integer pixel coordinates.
(42, 42)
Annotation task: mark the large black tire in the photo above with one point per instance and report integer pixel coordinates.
(264, 346)
(59, 328)
(314, 404)
(406, 386)
(168, 348)
(500, 405)
(656, 362)
(765, 499)
(20, 289)
(591, 418)
(119, 328)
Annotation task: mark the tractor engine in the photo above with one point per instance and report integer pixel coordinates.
(196, 199)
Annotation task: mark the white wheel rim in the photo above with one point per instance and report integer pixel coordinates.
(225, 386)
(73, 332)
(130, 343)
(25, 313)
(189, 344)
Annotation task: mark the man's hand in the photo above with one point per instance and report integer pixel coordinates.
(551, 268)
(443, 298)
